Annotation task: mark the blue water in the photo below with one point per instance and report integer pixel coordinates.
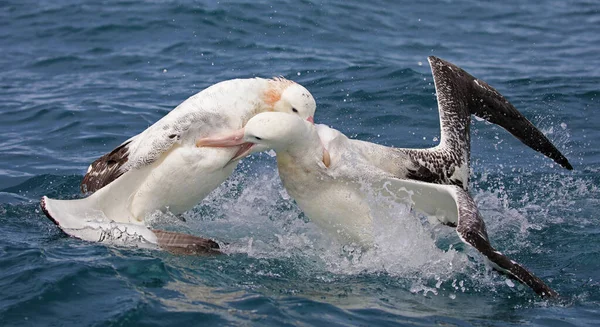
(79, 78)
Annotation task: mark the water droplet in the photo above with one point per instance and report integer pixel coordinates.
(510, 283)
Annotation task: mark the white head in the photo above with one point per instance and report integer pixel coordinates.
(276, 130)
(270, 130)
(286, 96)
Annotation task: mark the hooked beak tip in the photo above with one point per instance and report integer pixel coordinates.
(242, 152)
(311, 119)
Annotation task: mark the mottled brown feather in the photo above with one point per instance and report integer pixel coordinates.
(105, 169)
(179, 243)
(461, 95)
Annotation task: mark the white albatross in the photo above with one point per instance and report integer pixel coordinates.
(162, 169)
(332, 178)
(325, 172)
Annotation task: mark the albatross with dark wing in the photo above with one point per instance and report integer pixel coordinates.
(162, 169)
(325, 172)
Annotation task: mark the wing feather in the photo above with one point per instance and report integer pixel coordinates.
(140, 150)
(458, 208)
(105, 169)
(179, 243)
(460, 95)
(471, 230)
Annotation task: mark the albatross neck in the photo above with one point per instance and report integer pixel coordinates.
(304, 151)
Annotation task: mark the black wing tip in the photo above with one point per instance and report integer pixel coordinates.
(566, 164)
(545, 147)
(507, 266)
(471, 230)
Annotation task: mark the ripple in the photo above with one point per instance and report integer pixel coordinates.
(59, 61)
(80, 78)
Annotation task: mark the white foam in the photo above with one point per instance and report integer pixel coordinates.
(254, 216)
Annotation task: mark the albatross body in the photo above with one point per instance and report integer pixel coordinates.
(162, 169)
(332, 177)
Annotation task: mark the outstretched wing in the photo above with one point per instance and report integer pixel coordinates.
(471, 230)
(455, 207)
(460, 94)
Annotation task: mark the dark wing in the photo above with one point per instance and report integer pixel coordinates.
(459, 210)
(179, 243)
(460, 95)
(106, 169)
(442, 165)
(471, 230)
(142, 149)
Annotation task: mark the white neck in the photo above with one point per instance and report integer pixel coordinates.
(306, 151)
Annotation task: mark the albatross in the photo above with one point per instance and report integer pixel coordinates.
(325, 171)
(161, 169)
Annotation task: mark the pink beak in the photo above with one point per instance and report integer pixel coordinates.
(234, 139)
(311, 119)
(225, 141)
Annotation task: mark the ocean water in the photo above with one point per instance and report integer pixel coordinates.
(78, 78)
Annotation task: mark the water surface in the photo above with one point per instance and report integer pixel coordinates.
(80, 78)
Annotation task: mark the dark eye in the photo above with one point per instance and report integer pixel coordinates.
(258, 138)
(295, 110)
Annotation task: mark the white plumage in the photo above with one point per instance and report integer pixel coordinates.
(332, 177)
(335, 181)
(162, 169)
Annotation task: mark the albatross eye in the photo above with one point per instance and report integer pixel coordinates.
(258, 138)
(295, 110)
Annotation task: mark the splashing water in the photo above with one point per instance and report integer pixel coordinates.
(253, 215)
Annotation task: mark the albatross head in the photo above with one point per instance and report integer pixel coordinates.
(275, 130)
(283, 95)
(265, 131)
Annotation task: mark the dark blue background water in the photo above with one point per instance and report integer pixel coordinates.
(79, 78)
